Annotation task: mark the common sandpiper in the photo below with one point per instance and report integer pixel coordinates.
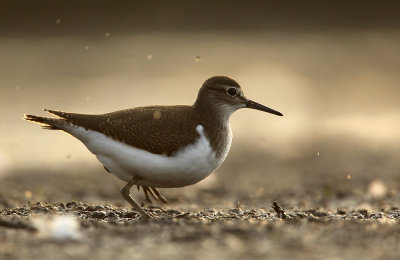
(160, 146)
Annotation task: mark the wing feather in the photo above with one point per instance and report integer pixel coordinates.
(160, 130)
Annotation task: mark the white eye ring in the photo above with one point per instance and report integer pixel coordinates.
(232, 92)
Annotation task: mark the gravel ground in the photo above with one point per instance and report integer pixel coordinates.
(76, 212)
(104, 231)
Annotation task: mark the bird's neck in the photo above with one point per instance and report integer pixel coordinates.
(216, 126)
(212, 110)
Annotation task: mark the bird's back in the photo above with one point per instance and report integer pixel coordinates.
(156, 129)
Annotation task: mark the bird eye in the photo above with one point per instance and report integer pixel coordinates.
(232, 91)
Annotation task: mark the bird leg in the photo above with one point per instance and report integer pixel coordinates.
(153, 192)
(158, 194)
(150, 190)
(146, 190)
(126, 195)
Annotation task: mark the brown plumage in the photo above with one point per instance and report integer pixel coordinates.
(157, 129)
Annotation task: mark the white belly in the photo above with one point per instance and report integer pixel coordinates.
(188, 166)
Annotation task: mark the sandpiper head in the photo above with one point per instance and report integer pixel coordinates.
(226, 96)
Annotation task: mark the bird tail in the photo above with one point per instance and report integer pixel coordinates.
(46, 122)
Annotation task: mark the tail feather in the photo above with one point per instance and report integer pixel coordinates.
(47, 123)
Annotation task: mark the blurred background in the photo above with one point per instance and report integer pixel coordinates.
(332, 68)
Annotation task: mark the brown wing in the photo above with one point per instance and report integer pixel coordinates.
(160, 130)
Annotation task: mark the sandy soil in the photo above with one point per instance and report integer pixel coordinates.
(330, 214)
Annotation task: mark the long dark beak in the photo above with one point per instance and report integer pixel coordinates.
(254, 105)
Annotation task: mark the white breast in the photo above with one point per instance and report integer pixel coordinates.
(187, 166)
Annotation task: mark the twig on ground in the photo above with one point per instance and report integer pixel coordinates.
(279, 211)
